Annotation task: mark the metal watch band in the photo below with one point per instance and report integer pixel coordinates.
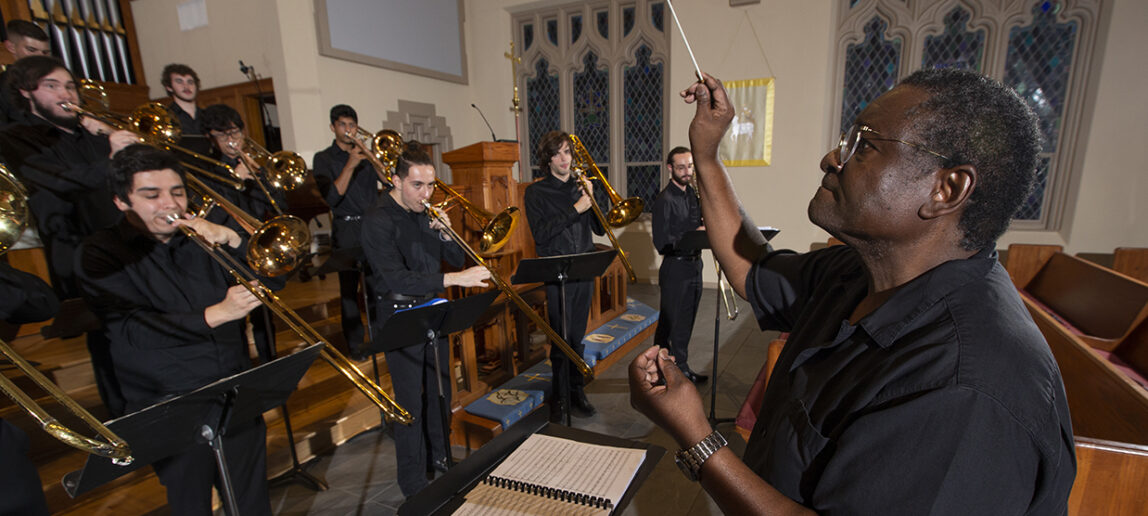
(690, 460)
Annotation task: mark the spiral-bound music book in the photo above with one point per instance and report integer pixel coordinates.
(552, 475)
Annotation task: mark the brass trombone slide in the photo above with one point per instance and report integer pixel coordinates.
(624, 210)
(383, 152)
(152, 121)
(13, 220)
(496, 229)
(392, 410)
(436, 214)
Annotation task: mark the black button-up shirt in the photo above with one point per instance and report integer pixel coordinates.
(362, 191)
(404, 253)
(151, 297)
(944, 400)
(556, 226)
(252, 200)
(193, 136)
(676, 211)
(66, 175)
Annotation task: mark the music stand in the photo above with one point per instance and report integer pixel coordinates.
(424, 325)
(205, 414)
(445, 494)
(698, 240)
(561, 269)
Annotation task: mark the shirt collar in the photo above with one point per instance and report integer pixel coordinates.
(920, 294)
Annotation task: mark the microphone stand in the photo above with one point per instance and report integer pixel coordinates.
(249, 72)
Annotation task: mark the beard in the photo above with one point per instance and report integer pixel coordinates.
(69, 121)
(681, 181)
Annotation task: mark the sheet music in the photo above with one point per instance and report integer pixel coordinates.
(587, 469)
(488, 500)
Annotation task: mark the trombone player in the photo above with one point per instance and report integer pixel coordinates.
(558, 211)
(174, 320)
(677, 211)
(227, 132)
(406, 249)
(349, 184)
(63, 160)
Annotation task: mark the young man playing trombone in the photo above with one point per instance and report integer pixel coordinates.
(174, 319)
(406, 248)
(558, 211)
(349, 184)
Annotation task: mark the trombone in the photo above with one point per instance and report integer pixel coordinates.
(437, 214)
(383, 152)
(266, 241)
(624, 211)
(496, 229)
(152, 122)
(13, 220)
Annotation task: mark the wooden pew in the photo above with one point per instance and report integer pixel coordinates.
(1094, 320)
(1110, 479)
(1132, 261)
(1102, 305)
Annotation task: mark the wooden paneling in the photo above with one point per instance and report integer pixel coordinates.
(1111, 479)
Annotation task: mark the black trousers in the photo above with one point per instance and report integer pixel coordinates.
(680, 282)
(189, 475)
(416, 389)
(346, 234)
(577, 312)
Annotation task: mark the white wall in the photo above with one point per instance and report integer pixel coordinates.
(279, 38)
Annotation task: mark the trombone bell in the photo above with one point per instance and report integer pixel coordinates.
(278, 246)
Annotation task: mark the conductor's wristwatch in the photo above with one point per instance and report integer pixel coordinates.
(690, 460)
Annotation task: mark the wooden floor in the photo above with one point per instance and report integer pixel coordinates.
(324, 411)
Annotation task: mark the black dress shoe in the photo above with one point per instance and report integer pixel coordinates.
(580, 406)
(696, 379)
(440, 465)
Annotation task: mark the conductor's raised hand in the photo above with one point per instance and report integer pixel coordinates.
(712, 117)
(675, 406)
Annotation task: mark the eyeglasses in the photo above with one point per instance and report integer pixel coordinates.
(231, 134)
(851, 139)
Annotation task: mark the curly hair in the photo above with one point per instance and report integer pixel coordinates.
(177, 69)
(978, 121)
(343, 111)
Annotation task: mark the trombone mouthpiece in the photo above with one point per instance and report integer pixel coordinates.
(170, 218)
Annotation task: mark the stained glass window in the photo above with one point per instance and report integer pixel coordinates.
(1037, 66)
(956, 47)
(552, 31)
(592, 114)
(527, 36)
(607, 82)
(870, 70)
(542, 101)
(642, 91)
(1031, 209)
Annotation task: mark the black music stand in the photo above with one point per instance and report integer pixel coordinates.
(205, 414)
(445, 494)
(425, 325)
(561, 269)
(698, 240)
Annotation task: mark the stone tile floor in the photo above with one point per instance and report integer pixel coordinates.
(361, 472)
